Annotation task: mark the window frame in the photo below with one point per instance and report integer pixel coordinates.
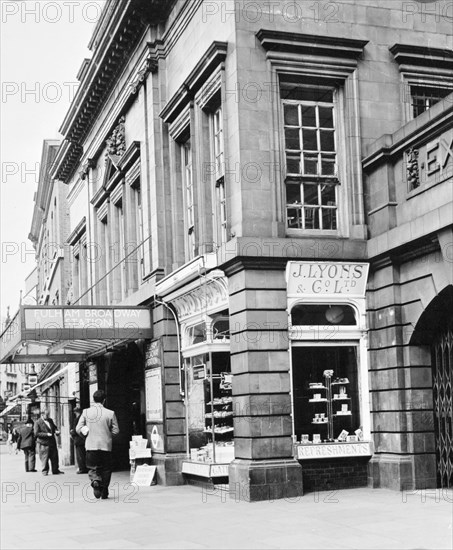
(318, 179)
(189, 198)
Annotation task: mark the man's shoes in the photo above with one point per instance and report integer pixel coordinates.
(97, 489)
(45, 473)
(32, 470)
(56, 473)
(82, 472)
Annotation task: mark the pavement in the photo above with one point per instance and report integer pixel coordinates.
(61, 512)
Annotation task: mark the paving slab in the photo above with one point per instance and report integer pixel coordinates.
(60, 512)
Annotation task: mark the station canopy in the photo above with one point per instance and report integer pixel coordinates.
(48, 334)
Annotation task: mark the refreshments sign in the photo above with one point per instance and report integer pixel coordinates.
(326, 278)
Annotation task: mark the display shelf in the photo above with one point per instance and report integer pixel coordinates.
(219, 431)
(219, 409)
(219, 414)
(328, 398)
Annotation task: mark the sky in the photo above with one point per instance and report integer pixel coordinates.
(42, 45)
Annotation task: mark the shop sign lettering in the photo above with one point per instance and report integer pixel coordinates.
(333, 450)
(84, 318)
(326, 278)
(436, 159)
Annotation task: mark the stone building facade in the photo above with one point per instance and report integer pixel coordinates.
(241, 168)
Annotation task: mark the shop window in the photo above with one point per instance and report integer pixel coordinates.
(196, 334)
(221, 329)
(320, 314)
(310, 157)
(210, 408)
(326, 394)
(424, 97)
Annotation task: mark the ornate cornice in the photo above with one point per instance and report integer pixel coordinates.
(211, 295)
(310, 44)
(435, 59)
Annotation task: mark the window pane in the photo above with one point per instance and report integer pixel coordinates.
(291, 115)
(293, 194)
(328, 195)
(292, 138)
(328, 165)
(329, 218)
(311, 194)
(327, 140)
(310, 165)
(326, 117)
(292, 163)
(311, 218)
(310, 141)
(294, 218)
(309, 116)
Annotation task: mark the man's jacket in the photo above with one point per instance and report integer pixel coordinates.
(102, 425)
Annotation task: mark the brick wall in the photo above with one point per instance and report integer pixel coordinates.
(338, 473)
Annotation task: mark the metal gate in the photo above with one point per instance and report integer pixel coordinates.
(442, 355)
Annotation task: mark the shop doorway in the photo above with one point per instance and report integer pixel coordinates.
(434, 330)
(442, 365)
(125, 394)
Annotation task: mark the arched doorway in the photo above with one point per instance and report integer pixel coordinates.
(435, 328)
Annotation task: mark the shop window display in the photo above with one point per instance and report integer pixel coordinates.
(210, 410)
(326, 394)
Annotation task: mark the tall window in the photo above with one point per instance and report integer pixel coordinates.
(139, 229)
(189, 198)
(311, 157)
(219, 162)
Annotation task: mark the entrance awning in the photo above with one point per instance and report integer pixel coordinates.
(48, 334)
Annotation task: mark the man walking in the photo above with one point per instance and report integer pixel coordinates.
(45, 432)
(26, 443)
(99, 424)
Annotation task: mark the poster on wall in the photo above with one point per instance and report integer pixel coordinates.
(153, 355)
(153, 386)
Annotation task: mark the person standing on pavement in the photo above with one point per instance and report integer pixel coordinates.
(99, 425)
(26, 443)
(45, 432)
(14, 440)
(79, 444)
(9, 441)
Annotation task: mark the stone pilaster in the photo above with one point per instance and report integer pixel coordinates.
(264, 466)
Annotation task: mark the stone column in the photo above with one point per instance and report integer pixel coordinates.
(264, 467)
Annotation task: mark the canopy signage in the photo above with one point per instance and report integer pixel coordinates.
(84, 318)
(70, 333)
(326, 279)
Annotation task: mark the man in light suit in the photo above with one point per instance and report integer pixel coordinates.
(45, 432)
(99, 425)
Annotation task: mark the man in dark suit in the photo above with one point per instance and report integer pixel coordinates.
(99, 425)
(26, 443)
(45, 432)
(79, 444)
